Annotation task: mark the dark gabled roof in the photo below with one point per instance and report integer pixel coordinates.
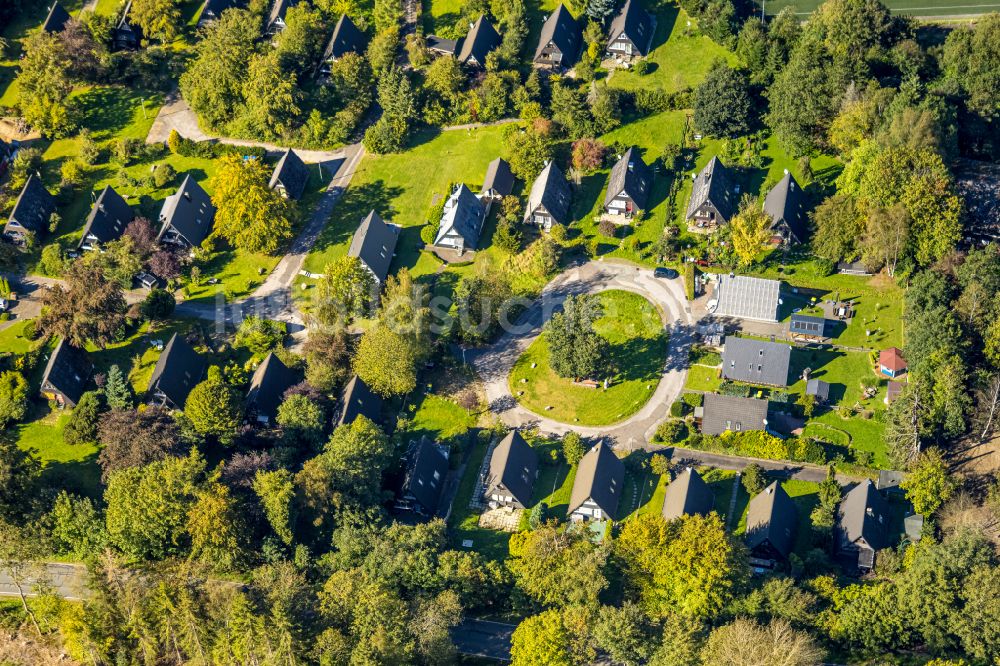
(425, 474)
(463, 214)
(687, 495)
(809, 325)
(34, 206)
(126, 26)
(482, 39)
(787, 202)
(373, 243)
(631, 176)
(818, 388)
(268, 385)
(278, 10)
(552, 191)
(563, 30)
(442, 45)
(773, 518)
(177, 371)
(358, 400)
(499, 178)
(729, 412)
(714, 184)
(190, 211)
(108, 217)
(56, 20)
(67, 371)
(213, 9)
(863, 514)
(600, 477)
(756, 361)
(346, 38)
(636, 23)
(514, 464)
(292, 173)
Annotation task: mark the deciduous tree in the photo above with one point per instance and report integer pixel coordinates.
(249, 214)
(13, 397)
(301, 421)
(44, 85)
(541, 639)
(89, 309)
(928, 485)
(746, 643)
(749, 230)
(133, 438)
(214, 407)
(346, 290)
(159, 19)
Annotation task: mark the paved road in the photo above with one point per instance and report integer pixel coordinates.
(175, 114)
(273, 298)
(483, 638)
(494, 363)
(776, 468)
(68, 580)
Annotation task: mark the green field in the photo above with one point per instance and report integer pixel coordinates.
(915, 8)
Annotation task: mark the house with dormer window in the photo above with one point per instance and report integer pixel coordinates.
(598, 487)
(374, 243)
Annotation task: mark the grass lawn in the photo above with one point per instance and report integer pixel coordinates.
(554, 487)
(720, 481)
(135, 355)
(12, 338)
(73, 467)
(439, 418)
(680, 58)
(915, 8)
(26, 21)
(866, 434)
(464, 522)
(403, 187)
(844, 371)
(638, 344)
(702, 378)
(805, 494)
(656, 494)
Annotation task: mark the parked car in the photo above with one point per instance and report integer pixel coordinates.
(667, 273)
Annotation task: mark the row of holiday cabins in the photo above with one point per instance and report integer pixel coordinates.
(772, 517)
(186, 217)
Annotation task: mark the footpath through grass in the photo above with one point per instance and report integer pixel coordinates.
(638, 345)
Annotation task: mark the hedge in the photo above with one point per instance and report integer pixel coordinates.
(689, 275)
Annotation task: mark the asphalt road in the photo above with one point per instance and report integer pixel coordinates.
(494, 363)
(68, 580)
(777, 468)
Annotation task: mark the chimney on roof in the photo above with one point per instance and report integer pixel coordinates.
(868, 510)
(770, 489)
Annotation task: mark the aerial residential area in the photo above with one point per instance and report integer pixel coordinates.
(614, 332)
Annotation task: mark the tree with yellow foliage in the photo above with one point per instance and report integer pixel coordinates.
(249, 214)
(749, 230)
